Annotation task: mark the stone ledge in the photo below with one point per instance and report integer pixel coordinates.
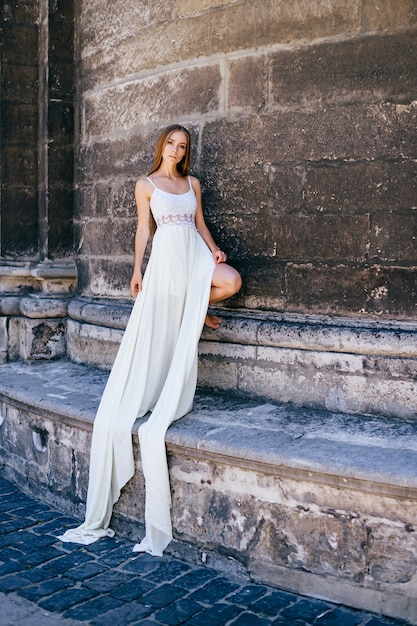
(56, 277)
(284, 330)
(278, 488)
(341, 449)
(350, 365)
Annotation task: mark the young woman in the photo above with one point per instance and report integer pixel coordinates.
(156, 365)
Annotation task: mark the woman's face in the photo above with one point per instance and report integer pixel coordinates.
(176, 147)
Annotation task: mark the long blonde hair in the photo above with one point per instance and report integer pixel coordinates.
(183, 167)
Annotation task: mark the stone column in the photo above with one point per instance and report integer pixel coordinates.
(37, 108)
(37, 271)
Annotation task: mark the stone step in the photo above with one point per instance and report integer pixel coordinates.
(315, 502)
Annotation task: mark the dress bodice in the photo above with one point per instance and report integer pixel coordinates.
(170, 209)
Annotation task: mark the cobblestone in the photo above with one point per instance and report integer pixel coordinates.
(45, 583)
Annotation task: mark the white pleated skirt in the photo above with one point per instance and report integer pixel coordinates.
(155, 370)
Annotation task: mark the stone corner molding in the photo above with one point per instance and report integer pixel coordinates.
(49, 277)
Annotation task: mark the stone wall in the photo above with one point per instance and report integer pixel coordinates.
(303, 118)
(19, 128)
(37, 130)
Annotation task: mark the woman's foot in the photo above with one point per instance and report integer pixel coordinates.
(212, 321)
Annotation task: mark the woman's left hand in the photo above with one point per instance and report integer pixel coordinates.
(219, 256)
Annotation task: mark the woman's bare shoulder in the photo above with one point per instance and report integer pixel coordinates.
(195, 183)
(143, 184)
(143, 181)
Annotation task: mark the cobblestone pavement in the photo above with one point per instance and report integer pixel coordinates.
(44, 582)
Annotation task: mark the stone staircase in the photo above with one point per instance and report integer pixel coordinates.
(298, 463)
(319, 502)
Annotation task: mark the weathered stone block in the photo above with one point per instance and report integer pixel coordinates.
(20, 166)
(365, 70)
(227, 29)
(366, 131)
(394, 14)
(354, 336)
(111, 314)
(61, 122)
(22, 124)
(117, 157)
(263, 285)
(302, 237)
(61, 40)
(361, 187)
(39, 307)
(95, 345)
(351, 289)
(232, 196)
(187, 7)
(170, 95)
(394, 236)
(108, 237)
(100, 24)
(3, 335)
(9, 305)
(325, 532)
(36, 339)
(61, 80)
(248, 84)
(343, 383)
(22, 12)
(20, 44)
(115, 199)
(84, 204)
(13, 348)
(104, 277)
(219, 368)
(19, 83)
(242, 208)
(60, 160)
(27, 442)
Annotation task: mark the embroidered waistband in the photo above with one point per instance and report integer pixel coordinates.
(186, 219)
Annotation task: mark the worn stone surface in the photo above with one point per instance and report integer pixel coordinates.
(187, 92)
(109, 236)
(337, 364)
(36, 307)
(303, 122)
(32, 339)
(321, 379)
(362, 187)
(322, 494)
(3, 339)
(365, 70)
(18, 279)
(97, 345)
(231, 27)
(336, 289)
(393, 14)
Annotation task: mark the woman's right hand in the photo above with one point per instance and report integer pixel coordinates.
(136, 283)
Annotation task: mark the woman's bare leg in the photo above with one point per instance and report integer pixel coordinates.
(225, 283)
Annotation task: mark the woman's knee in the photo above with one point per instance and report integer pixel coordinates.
(237, 282)
(233, 281)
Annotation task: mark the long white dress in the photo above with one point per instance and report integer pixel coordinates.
(155, 370)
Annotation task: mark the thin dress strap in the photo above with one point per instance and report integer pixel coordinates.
(153, 184)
